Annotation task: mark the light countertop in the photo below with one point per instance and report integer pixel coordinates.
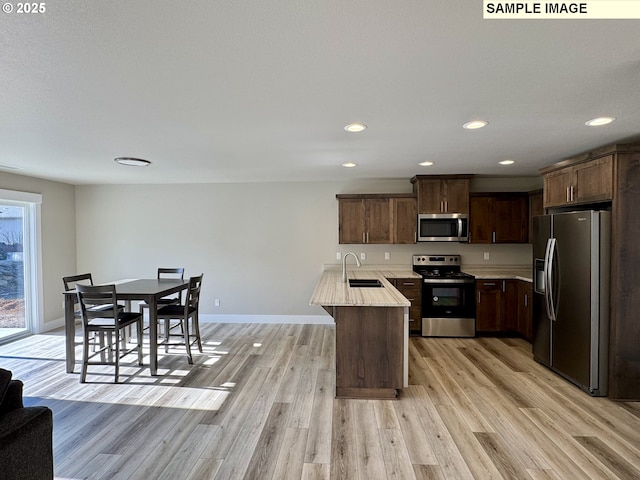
(516, 272)
(330, 291)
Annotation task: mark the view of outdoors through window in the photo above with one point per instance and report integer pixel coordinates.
(12, 303)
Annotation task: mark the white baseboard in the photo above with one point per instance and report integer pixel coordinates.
(303, 319)
(52, 325)
(221, 318)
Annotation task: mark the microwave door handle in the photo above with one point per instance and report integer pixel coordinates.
(459, 229)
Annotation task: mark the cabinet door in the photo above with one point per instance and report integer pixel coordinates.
(351, 222)
(499, 218)
(488, 305)
(535, 208)
(411, 288)
(378, 220)
(510, 218)
(456, 195)
(404, 220)
(556, 187)
(430, 196)
(594, 180)
(525, 292)
(481, 219)
(509, 313)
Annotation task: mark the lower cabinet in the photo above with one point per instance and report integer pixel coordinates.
(488, 305)
(411, 288)
(525, 313)
(504, 306)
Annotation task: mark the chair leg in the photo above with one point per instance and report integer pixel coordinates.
(185, 327)
(102, 345)
(85, 357)
(139, 326)
(167, 334)
(117, 359)
(196, 329)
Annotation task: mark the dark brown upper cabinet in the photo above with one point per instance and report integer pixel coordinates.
(499, 217)
(442, 193)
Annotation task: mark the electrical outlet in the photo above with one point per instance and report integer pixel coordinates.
(363, 256)
(338, 256)
(486, 255)
(216, 302)
(387, 256)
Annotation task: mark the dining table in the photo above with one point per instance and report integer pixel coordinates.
(149, 290)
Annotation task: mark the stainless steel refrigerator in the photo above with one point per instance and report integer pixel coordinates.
(571, 296)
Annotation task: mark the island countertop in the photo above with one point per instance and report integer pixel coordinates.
(331, 291)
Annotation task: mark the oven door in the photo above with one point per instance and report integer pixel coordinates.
(448, 308)
(448, 299)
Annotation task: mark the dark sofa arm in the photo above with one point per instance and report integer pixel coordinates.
(12, 397)
(26, 444)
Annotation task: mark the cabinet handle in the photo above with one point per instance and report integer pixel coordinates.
(572, 193)
(367, 237)
(441, 206)
(493, 237)
(446, 206)
(526, 299)
(478, 298)
(408, 284)
(568, 194)
(489, 284)
(363, 238)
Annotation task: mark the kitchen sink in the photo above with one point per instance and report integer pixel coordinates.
(365, 283)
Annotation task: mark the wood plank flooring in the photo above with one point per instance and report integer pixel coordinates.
(259, 404)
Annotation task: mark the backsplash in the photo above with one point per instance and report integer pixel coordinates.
(472, 254)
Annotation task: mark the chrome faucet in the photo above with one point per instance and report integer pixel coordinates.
(344, 265)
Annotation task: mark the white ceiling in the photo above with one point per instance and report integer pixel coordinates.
(248, 90)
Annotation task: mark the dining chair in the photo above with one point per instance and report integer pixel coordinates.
(177, 273)
(181, 313)
(70, 283)
(105, 321)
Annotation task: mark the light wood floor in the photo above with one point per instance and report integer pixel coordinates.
(258, 404)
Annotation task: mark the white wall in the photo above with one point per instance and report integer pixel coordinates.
(261, 246)
(58, 238)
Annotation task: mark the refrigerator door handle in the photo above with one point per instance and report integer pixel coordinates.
(549, 290)
(545, 275)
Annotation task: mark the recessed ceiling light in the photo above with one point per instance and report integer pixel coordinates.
(132, 162)
(349, 164)
(597, 122)
(425, 164)
(355, 127)
(506, 162)
(473, 125)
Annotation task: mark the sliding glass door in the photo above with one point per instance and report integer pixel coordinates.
(18, 266)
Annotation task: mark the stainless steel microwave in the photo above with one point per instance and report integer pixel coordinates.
(443, 227)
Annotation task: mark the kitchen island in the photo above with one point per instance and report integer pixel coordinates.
(372, 334)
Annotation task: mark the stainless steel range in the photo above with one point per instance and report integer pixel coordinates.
(448, 296)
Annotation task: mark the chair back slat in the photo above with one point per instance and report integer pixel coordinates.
(92, 297)
(171, 273)
(71, 281)
(193, 294)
